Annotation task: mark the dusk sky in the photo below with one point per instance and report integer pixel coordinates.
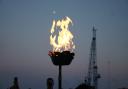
(24, 41)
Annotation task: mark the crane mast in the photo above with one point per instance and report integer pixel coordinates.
(93, 76)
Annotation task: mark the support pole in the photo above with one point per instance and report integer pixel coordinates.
(60, 78)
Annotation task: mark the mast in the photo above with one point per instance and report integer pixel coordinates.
(93, 76)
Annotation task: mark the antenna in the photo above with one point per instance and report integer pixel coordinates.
(93, 76)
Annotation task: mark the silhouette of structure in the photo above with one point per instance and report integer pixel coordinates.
(93, 76)
(15, 84)
(60, 59)
(50, 83)
(84, 86)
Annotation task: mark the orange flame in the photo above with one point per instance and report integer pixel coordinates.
(64, 40)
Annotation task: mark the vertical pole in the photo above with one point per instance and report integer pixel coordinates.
(60, 78)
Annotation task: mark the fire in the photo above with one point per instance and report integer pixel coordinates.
(62, 41)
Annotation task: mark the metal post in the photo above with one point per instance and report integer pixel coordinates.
(60, 78)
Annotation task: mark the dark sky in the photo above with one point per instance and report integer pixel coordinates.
(24, 41)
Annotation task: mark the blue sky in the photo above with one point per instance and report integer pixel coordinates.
(24, 41)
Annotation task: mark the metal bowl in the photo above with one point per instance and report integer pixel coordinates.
(61, 58)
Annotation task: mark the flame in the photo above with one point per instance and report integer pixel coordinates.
(62, 42)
